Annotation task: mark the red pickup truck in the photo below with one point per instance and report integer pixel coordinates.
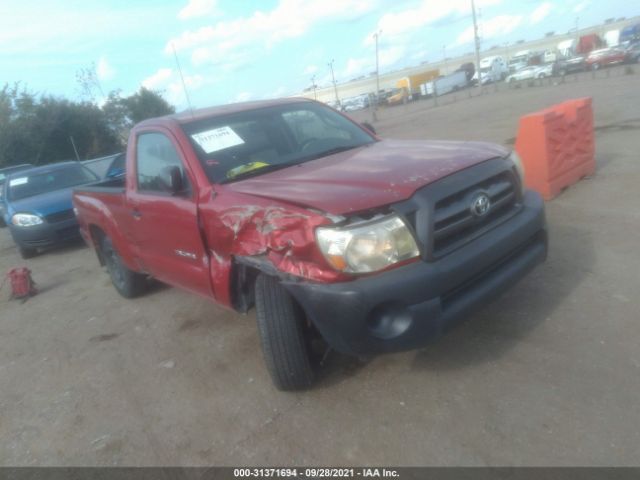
(339, 239)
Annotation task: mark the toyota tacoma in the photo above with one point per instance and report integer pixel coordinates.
(340, 239)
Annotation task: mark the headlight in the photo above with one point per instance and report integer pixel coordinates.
(25, 220)
(519, 168)
(367, 247)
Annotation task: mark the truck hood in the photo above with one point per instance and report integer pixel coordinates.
(371, 176)
(43, 204)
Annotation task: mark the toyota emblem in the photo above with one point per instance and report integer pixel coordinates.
(480, 205)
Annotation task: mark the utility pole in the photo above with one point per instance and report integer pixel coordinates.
(477, 42)
(335, 87)
(376, 35)
(313, 84)
(444, 58)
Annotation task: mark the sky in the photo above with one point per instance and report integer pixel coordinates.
(238, 50)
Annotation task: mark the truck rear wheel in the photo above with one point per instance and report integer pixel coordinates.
(285, 341)
(128, 283)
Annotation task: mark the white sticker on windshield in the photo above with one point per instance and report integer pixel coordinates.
(217, 139)
(14, 182)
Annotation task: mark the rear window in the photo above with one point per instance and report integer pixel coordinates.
(30, 185)
(5, 172)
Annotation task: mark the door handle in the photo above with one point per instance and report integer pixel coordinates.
(135, 213)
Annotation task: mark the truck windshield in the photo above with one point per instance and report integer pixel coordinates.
(32, 184)
(239, 145)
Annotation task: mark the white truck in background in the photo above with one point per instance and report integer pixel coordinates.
(566, 48)
(446, 84)
(612, 38)
(492, 69)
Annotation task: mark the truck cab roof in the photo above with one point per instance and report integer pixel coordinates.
(189, 116)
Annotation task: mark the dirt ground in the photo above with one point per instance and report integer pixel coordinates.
(549, 374)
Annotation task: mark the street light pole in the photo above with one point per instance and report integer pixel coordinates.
(376, 35)
(444, 59)
(335, 87)
(313, 84)
(477, 41)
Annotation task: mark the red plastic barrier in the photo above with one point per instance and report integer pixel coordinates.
(557, 146)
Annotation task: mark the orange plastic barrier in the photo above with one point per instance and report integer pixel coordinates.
(557, 146)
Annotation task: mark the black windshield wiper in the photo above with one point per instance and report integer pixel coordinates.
(331, 151)
(257, 171)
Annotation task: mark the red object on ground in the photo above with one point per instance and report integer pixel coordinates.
(557, 146)
(22, 285)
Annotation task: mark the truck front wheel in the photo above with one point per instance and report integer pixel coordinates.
(285, 340)
(128, 283)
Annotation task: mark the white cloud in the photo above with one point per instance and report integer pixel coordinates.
(25, 34)
(168, 82)
(580, 6)
(243, 97)
(357, 67)
(104, 70)
(236, 42)
(277, 93)
(403, 37)
(540, 13)
(419, 56)
(198, 8)
(494, 27)
(424, 13)
(158, 80)
(310, 69)
(391, 55)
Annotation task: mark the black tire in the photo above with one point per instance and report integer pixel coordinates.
(285, 343)
(26, 252)
(128, 283)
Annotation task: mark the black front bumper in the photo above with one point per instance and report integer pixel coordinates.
(406, 307)
(46, 234)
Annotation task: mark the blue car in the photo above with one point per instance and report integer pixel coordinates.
(4, 173)
(38, 208)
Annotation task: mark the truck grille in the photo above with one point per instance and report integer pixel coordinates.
(440, 213)
(453, 221)
(59, 216)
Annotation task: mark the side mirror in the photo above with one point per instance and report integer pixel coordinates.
(171, 179)
(369, 127)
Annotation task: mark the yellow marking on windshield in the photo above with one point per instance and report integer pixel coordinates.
(245, 168)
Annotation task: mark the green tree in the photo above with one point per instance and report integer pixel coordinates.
(146, 104)
(124, 112)
(39, 130)
(42, 129)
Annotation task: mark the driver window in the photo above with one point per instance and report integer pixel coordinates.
(154, 152)
(307, 125)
